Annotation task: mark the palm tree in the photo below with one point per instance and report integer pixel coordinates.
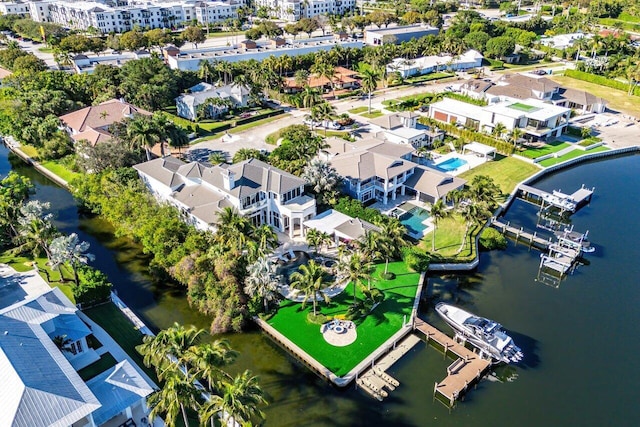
(359, 270)
(208, 359)
(69, 249)
(499, 129)
(312, 280)
(34, 229)
(392, 236)
(369, 82)
(301, 77)
(326, 70)
(265, 239)
(314, 237)
(237, 401)
(143, 133)
(177, 394)
(438, 212)
(310, 97)
(234, 230)
(262, 281)
(323, 112)
(206, 69)
(217, 157)
(62, 342)
(471, 213)
(515, 136)
(323, 179)
(170, 346)
(371, 245)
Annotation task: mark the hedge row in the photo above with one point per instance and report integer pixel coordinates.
(503, 147)
(600, 80)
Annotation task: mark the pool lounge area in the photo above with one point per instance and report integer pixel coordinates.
(415, 219)
(456, 163)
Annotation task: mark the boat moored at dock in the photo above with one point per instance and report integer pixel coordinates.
(487, 335)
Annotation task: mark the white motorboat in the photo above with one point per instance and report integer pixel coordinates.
(485, 334)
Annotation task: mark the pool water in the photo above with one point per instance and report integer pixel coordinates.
(451, 164)
(413, 221)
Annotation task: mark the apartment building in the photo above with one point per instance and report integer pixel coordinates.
(123, 15)
(294, 10)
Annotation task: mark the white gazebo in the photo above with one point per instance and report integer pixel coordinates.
(481, 149)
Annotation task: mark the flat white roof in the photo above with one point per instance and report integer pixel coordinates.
(479, 148)
(454, 106)
(327, 221)
(405, 132)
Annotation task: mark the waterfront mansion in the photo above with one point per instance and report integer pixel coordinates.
(261, 192)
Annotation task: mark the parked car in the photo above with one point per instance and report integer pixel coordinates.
(330, 124)
(307, 121)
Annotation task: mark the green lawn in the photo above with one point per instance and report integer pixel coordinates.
(448, 237)
(507, 172)
(111, 319)
(523, 107)
(241, 128)
(373, 114)
(548, 148)
(380, 325)
(329, 133)
(571, 155)
(60, 170)
(358, 110)
(106, 361)
(22, 264)
(618, 99)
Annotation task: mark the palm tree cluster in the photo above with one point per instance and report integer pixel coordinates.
(323, 179)
(180, 359)
(474, 204)
(238, 234)
(143, 132)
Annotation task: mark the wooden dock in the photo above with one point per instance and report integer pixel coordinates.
(376, 381)
(465, 371)
(521, 236)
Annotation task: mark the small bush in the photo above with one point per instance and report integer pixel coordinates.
(491, 239)
(388, 276)
(318, 319)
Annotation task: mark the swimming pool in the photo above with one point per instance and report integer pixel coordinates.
(413, 221)
(451, 164)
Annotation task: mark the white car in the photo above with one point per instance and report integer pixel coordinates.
(329, 124)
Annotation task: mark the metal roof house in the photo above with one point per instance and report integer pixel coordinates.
(41, 385)
(259, 191)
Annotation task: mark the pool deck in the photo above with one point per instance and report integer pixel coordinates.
(471, 159)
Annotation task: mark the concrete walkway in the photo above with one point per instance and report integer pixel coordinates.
(15, 286)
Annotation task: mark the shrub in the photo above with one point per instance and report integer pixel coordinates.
(388, 275)
(416, 259)
(356, 209)
(94, 287)
(491, 239)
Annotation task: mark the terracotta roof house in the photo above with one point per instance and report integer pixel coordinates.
(263, 193)
(343, 79)
(92, 123)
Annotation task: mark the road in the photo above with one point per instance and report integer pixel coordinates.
(255, 137)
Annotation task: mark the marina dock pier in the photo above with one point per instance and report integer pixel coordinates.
(468, 369)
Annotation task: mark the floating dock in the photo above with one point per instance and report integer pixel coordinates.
(465, 371)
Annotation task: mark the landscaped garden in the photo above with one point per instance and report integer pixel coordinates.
(384, 321)
(449, 236)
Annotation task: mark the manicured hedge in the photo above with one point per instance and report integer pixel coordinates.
(600, 80)
(503, 147)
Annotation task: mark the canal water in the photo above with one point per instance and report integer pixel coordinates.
(580, 339)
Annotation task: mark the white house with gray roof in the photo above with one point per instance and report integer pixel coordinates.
(382, 171)
(257, 190)
(187, 105)
(40, 374)
(403, 128)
